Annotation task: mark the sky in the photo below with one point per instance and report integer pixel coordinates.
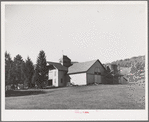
(83, 32)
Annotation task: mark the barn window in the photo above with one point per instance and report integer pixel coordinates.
(61, 80)
(97, 71)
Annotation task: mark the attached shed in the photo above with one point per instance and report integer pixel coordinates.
(86, 72)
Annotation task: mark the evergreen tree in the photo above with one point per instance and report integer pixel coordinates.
(41, 69)
(17, 70)
(35, 78)
(8, 69)
(24, 77)
(29, 71)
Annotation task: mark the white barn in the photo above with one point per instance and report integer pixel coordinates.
(86, 72)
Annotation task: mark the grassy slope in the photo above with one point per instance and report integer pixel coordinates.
(82, 97)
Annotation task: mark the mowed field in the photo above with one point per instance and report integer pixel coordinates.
(130, 96)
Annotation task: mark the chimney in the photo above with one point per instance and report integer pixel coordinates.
(65, 61)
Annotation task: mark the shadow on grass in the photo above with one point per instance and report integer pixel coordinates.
(16, 93)
(52, 87)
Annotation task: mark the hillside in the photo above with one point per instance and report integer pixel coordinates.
(137, 61)
(133, 68)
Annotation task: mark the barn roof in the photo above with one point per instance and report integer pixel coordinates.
(81, 67)
(58, 66)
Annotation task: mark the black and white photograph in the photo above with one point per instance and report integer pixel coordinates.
(74, 60)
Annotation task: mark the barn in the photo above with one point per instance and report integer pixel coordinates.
(67, 71)
(86, 72)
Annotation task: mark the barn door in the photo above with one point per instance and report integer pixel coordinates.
(97, 79)
(97, 75)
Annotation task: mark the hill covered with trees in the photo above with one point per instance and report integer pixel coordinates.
(135, 62)
(138, 61)
(133, 68)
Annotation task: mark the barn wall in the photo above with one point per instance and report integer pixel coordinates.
(91, 72)
(78, 79)
(90, 78)
(98, 79)
(103, 80)
(92, 69)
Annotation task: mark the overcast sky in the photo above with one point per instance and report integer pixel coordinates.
(84, 32)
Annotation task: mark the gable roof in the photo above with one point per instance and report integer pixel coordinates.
(81, 67)
(58, 66)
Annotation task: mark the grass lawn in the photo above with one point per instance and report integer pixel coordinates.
(130, 96)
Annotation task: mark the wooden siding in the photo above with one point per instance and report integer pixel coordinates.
(92, 68)
(61, 78)
(98, 79)
(90, 78)
(55, 78)
(91, 71)
(50, 75)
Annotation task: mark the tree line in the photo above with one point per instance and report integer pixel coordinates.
(135, 63)
(139, 62)
(18, 71)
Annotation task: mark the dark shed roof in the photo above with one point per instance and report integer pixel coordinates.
(58, 66)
